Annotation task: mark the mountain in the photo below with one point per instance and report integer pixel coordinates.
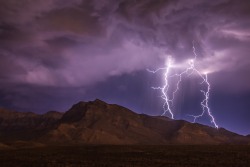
(25, 125)
(97, 122)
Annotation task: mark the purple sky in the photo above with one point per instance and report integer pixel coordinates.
(55, 53)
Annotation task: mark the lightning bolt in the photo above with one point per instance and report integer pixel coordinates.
(167, 94)
(165, 88)
(204, 103)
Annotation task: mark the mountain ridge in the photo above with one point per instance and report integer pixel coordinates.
(97, 122)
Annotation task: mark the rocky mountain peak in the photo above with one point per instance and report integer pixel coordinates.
(78, 111)
(99, 102)
(96, 122)
(53, 114)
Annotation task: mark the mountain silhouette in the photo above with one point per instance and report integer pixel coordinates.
(97, 122)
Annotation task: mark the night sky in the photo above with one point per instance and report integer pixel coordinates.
(55, 53)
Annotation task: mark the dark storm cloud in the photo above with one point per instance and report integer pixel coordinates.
(67, 44)
(77, 43)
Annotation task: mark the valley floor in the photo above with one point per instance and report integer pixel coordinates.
(127, 156)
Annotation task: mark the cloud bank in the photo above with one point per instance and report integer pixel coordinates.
(78, 43)
(62, 43)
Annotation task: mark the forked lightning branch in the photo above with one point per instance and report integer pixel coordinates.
(169, 95)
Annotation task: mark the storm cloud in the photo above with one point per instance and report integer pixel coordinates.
(76, 43)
